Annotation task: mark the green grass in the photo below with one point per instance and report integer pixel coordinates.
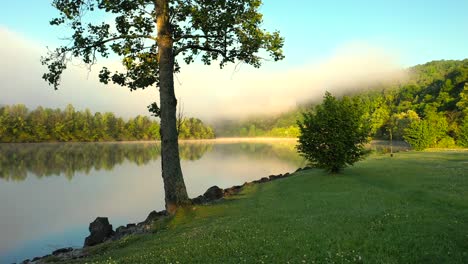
(412, 208)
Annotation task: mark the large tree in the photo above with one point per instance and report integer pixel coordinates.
(150, 35)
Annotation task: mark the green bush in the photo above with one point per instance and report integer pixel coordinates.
(427, 133)
(446, 142)
(333, 135)
(463, 134)
(419, 135)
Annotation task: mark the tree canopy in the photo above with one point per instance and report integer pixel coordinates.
(333, 134)
(222, 31)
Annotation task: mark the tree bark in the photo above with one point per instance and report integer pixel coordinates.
(174, 186)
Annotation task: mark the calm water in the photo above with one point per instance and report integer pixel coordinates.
(50, 192)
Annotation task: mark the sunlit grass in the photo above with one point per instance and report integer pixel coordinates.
(412, 208)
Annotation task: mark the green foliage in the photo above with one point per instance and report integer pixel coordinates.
(402, 121)
(221, 31)
(283, 125)
(463, 134)
(194, 128)
(419, 136)
(428, 132)
(18, 124)
(334, 134)
(446, 142)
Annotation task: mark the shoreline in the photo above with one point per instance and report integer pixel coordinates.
(221, 139)
(212, 195)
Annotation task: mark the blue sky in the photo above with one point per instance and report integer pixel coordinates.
(418, 30)
(329, 44)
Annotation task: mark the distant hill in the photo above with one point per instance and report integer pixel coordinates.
(435, 87)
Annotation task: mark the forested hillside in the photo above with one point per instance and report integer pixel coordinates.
(283, 125)
(429, 109)
(18, 124)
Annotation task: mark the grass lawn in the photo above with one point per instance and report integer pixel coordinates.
(412, 208)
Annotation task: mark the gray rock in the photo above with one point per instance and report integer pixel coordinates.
(120, 229)
(247, 184)
(262, 180)
(213, 193)
(275, 177)
(199, 200)
(100, 231)
(233, 190)
(61, 250)
(154, 216)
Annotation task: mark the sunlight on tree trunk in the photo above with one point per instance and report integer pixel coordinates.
(174, 186)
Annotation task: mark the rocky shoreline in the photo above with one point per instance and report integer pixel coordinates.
(101, 230)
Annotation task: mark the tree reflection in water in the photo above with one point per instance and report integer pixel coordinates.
(18, 160)
(48, 159)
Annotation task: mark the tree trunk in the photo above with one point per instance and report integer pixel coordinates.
(174, 186)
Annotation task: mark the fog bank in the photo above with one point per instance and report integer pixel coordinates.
(206, 91)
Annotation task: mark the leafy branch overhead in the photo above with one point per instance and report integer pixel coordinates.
(222, 31)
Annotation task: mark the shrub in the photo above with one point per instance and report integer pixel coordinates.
(427, 133)
(333, 135)
(419, 135)
(463, 134)
(446, 142)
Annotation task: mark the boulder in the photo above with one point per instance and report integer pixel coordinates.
(275, 177)
(120, 229)
(247, 184)
(100, 231)
(152, 217)
(199, 200)
(61, 250)
(213, 193)
(262, 180)
(233, 190)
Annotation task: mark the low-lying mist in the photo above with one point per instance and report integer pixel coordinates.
(252, 92)
(206, 92)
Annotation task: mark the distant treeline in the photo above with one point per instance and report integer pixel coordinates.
(283, 125)
(18, 124)
(430, 109)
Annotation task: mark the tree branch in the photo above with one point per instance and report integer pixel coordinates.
(195, 37)
(198, 47)
(101, 42)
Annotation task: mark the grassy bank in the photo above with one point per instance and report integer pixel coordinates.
(412, 208)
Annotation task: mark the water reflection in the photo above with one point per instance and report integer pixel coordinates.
(17, 161)
(47, 159)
